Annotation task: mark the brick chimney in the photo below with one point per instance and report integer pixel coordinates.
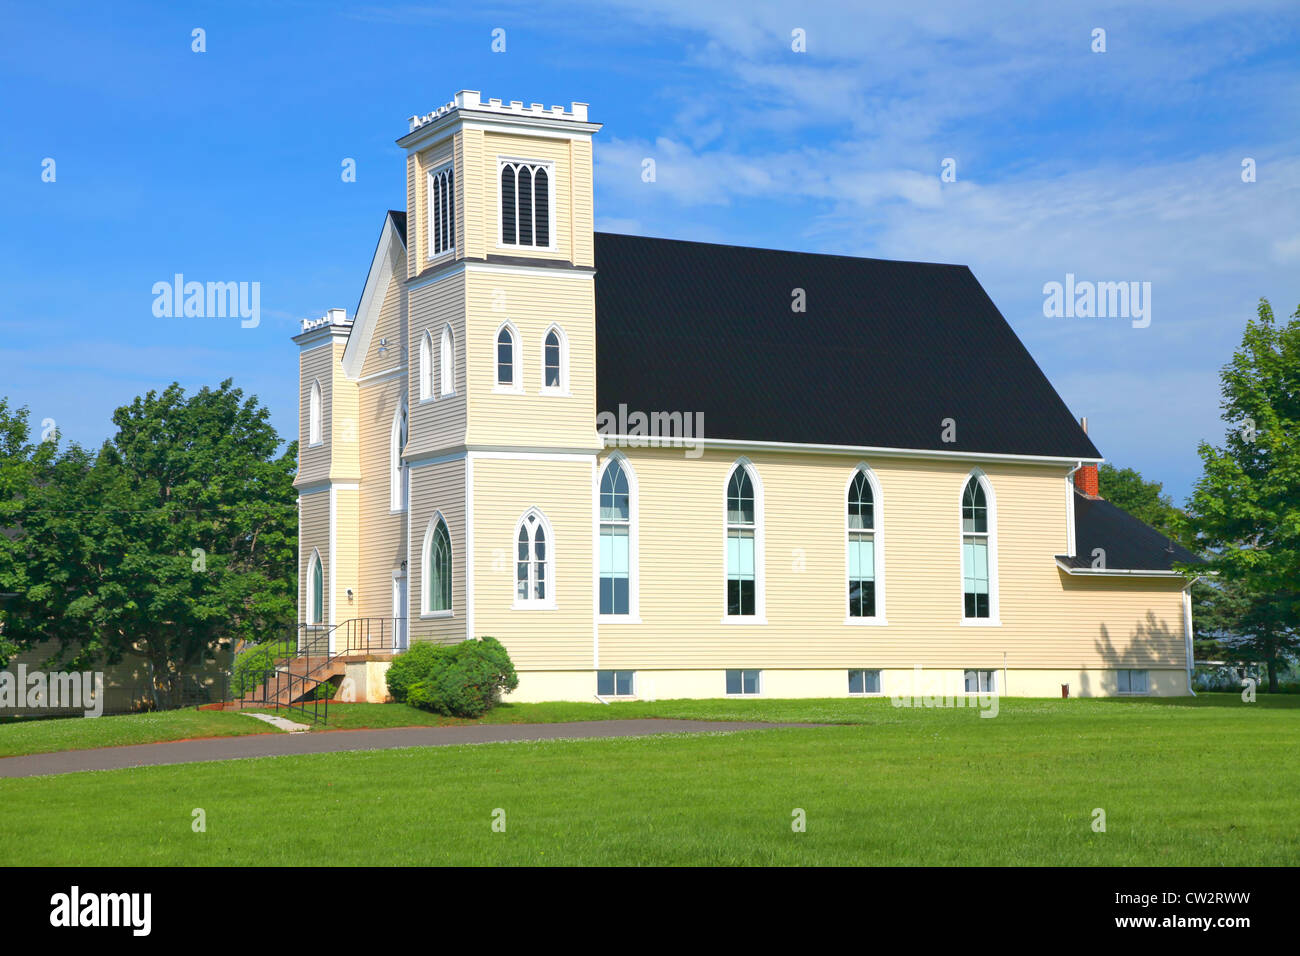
(1085, 479)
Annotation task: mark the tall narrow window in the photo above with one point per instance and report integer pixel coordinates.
(447, 362)
(615, 540)
(525, 204)
(533, 562)
(975, 550)
(437, 568)
(426, 366)
(315, 590)
(506, 357)
(553, 371)
(314, 436)
(741, 547)
(862, 547)
(398, 475)
(442, 211)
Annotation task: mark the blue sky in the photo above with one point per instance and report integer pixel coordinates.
(225, 165)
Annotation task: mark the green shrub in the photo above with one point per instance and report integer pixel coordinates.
(252, 662)
(414, 664)
(458, 680)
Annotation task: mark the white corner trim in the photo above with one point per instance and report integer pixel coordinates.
(382, 268)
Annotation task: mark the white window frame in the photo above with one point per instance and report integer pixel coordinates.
(864, 671)
(314, 567)
(437, 172)
(315, 415)
(549, 166)
(878, 538)
(758, 692)
(399, 473)
(426, 564)
(993, 679)
(615, 671)
(516, 387)
(426, 367)
(995, 615)
(760, 596)
(633, 615)
(563, 387)
(446, 362)
(547, 603)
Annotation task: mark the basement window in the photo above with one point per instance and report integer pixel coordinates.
(981, 682)
(614, 683)
(743, 682)
(1132, 682)
(864, 682)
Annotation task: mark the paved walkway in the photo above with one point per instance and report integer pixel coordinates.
(317, 742)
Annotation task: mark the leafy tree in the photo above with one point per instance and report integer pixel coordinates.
(1245, 508)
(172, 543)
(1144, 500)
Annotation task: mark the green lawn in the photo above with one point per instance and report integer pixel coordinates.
(27, 736)
(1209, 782)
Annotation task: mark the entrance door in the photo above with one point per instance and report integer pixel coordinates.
(399, 612)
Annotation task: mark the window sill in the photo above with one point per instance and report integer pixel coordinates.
(533, 606)
(520, 247)
(426, 401)
(980, 622)
(396, 511)
(876, 694)
(506, 390)
(557, 392)
(866, 621)
(436, 615)
(617, 619)
(740, 619)
(445, 254)
(316, 444)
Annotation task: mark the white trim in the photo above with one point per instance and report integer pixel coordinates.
(402, 632)
(517, 268)
(991, 537)
(430, 174)
(424, 383)
(399, 480)
(1115, 572)
(516, 386)
(860, 450)
(1187, 633)
(633, 541)
(376, 377)
(315, 414)
(549, 166)
(1071, 543)
(878, 547)
(382, 268)
(547, 603)
(446, 362)
(562, 336)
(333, 548)
(760, 584)
(469, 547)
(595, 565)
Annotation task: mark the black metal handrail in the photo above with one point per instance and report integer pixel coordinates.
(285, 680)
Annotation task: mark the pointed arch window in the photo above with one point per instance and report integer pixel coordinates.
(314, 415)
(534, 562)
(442, 211)
(399, 477)
(978, 552)
(447, 362)
(426, 366)
(526, 204)
(616, 539)
(743, 555)
(862, 547)
(507, 359)
(555, 360)
(315, 590)
(436, 596)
